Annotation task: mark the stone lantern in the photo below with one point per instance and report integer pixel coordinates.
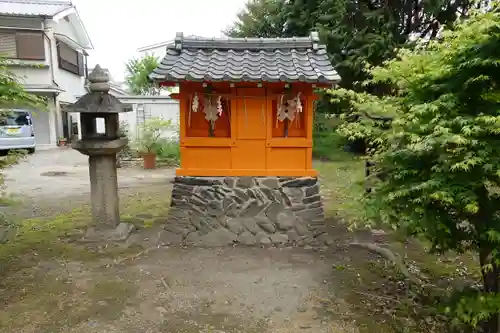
(101, 141)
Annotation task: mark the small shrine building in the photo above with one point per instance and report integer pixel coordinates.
(246, 121)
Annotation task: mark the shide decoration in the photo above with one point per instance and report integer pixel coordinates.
(288, 111)
(212, 107)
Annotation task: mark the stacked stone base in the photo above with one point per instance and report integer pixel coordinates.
(219, 211)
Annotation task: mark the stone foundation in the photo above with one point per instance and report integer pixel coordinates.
(219, 211)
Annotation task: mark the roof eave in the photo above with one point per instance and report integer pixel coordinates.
(155, 46)
(318, 83)
(86, 43)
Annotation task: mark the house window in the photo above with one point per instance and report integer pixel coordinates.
(24, 45)
(70, 60)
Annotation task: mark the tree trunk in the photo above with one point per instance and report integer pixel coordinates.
(491, 283)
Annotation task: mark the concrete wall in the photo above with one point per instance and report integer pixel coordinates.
(150, 107)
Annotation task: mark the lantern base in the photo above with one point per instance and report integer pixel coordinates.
(100, 147)
(219, 211)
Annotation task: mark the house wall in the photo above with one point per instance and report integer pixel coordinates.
(47, 73)
(72, 84)
(30, 72)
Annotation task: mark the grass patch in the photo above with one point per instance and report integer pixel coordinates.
(342, 186)
(40, 294)
(53, 236)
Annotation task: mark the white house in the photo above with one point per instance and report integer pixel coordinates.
(47, 43)
(157, 50)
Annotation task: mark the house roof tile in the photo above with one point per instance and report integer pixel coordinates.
(246, 59)
(47, 8)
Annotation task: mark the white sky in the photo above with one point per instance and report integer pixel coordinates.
(118, 28)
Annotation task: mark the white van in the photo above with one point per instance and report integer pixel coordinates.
(16, 130)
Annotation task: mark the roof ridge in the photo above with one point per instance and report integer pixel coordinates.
(252, 43)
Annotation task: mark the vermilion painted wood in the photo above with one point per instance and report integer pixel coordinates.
(248, 138)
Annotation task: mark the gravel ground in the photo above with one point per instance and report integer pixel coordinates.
(58, 173)
(225, 290)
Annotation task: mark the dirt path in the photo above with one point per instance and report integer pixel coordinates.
(232, 290)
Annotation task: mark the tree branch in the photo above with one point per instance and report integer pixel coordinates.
(390, 256)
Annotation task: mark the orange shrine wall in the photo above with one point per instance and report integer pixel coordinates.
(247, 140)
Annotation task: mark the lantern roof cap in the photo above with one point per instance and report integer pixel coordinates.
(98, 99)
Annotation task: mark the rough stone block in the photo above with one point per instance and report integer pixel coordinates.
(292, 235)
(251, 209)
(273, 210)
(270, 182)
(247, 238)
(230, 182)
(285, 199)
(301, 228)
(310, 200)
(216, 238)
(263, 238)
(279, 238)
(266, 225)
(245, 182)
(251, 225)
(214, 208)
(300, 182)
(235, 226)
(210, 211)
(242, 194)
(311, 191)
(294, 194)
(286, 220)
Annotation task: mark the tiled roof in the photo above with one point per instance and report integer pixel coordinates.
(47, 8)
(246, 59)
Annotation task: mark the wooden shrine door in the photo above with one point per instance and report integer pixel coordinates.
(249, 150)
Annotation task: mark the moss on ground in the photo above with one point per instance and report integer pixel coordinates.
(342, 187)
(53, 236)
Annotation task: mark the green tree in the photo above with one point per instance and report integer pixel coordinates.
(356, 33)
(12, 93)
(260, 18)
(441, 155)
(137, 75)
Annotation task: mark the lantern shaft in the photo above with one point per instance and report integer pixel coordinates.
(103, 189)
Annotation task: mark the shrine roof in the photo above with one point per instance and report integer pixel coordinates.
(298, 59)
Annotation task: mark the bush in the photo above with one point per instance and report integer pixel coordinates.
(168, 151)
(327, 143)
